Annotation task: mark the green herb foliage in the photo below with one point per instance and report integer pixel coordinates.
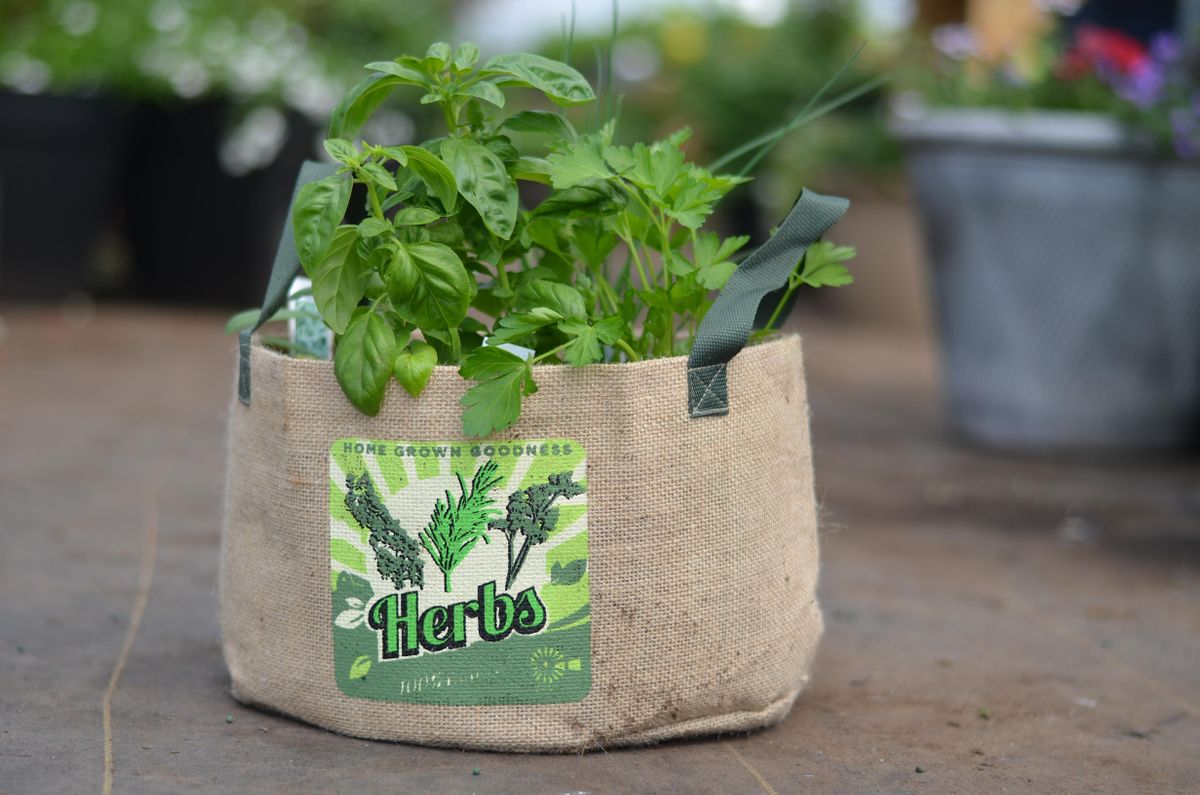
(531, 514)
(612, 264)
(823, 265)
(397, 555)
(457, 525)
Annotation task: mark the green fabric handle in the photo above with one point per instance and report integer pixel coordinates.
(285, 269)
(728, 324)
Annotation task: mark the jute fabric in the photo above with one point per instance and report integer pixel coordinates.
(703, 551)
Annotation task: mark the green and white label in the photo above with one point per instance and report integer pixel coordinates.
(460, 571)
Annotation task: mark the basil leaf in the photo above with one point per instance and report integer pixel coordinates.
(414, 216)
(486, 91)
(363, 100)
(370, 227)
(340, 280)
(559, 82)
(318, 210)
(437, 56)
(541, 122)
(530, 169)
(342, 150)
(406, 74)
(242, 321)
(396, 153)
(245, 320)
(484, 182)
(562, 298)
(429, 286)
(363, 360)
(596, 200)
(513, 327)
(465, 56)
(379, 175)
(434, 173)
(414, 365)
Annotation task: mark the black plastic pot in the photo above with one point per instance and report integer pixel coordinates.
(61, 160)
(199, 234)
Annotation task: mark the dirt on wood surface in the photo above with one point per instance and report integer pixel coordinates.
(996, 623)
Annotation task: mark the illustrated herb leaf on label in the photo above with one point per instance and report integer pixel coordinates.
(610, 263)
(457, 525)
(530, 518)
(397, 555)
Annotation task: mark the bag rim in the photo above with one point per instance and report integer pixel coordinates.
(315, 366)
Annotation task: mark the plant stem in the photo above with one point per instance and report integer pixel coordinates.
(764, 143)
(630, 352)
(633, 194)
(664, 231)
(769, 326)
(627, 238)
(451, 117)
(548, 353)
(502, 277)
(605, 290)
(376, 207)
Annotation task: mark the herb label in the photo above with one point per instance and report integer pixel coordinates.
(459, 571)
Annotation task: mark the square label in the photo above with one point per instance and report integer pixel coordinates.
(459, 571)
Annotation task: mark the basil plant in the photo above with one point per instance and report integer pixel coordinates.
(604, 258)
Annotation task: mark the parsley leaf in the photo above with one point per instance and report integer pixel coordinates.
(584, 347)
(494, 403)
(711, 256)
(823, 265)
(576, 163)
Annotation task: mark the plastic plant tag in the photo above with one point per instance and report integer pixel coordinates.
(515, 350)
(309, 334)
(460, 571)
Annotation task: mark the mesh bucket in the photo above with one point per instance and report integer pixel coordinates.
(1067, 280)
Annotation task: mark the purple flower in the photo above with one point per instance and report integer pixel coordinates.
(1144, 86)
(1166, 48)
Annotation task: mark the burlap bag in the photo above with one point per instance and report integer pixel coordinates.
(674, 595)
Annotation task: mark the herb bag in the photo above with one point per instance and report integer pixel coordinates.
(634, 560)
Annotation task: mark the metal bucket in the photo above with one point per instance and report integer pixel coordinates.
(1066, 265)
